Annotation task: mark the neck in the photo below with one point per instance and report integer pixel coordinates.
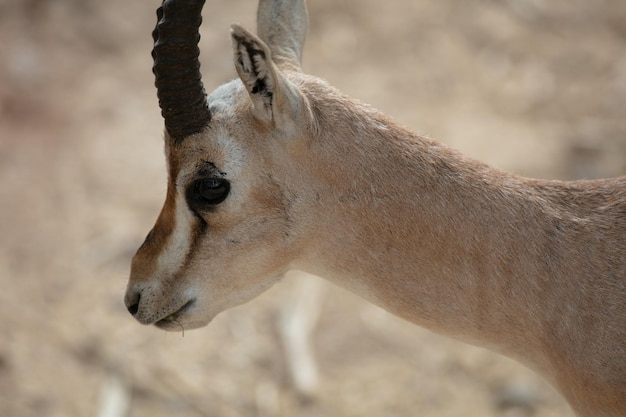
(440, 240)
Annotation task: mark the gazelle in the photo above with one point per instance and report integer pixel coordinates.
(277, 171)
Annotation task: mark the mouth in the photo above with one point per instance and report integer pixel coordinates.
(172, 321)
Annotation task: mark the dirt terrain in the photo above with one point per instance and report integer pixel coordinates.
(531, 86)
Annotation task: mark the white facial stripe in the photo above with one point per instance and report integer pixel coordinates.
(173, 256)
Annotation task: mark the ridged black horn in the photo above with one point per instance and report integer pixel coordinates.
(177, 68)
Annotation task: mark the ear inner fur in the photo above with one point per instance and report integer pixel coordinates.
(256, 70)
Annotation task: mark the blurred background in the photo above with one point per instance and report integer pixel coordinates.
(535, 87)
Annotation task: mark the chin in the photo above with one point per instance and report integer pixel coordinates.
(181, 324)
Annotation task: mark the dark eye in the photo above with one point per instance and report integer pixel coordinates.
(206, 192)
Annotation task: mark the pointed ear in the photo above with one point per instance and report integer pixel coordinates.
(282, 25)
(276, 101)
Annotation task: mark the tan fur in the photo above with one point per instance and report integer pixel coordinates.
(535, 270)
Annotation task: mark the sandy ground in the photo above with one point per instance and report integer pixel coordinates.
(530, 86)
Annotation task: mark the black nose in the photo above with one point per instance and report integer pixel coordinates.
(132, 302)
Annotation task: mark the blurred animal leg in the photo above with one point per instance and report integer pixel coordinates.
(298, 320)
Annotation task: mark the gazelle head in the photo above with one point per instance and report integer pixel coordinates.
(226, 230)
